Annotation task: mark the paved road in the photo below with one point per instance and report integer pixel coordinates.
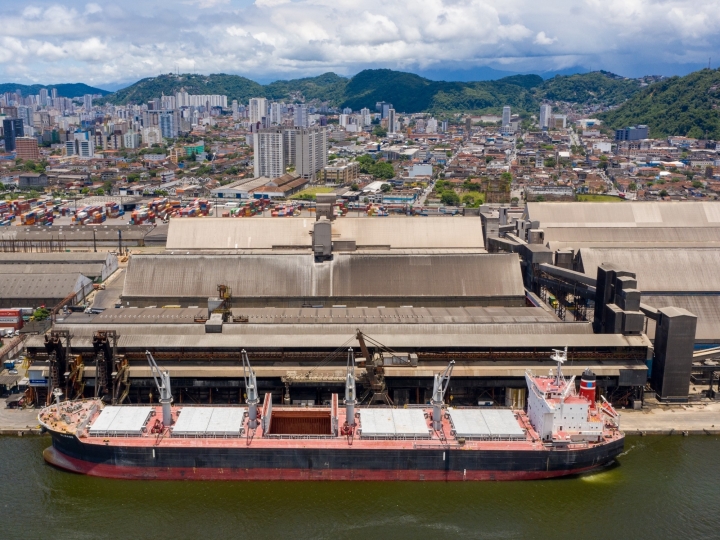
(113, 289)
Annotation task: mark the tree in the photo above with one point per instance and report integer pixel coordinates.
(380, 132)
(632, 186)
(663, 193)
(697, 184)
(550, 163)
(386, 188)
(354, 186)
(41, 314)
(99, 191)
(85, 191)
(514, 200)
(450, 198)
(468, 200)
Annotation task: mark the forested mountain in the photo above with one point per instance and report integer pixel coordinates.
(64, 90)
(406, 91)
(685, 106)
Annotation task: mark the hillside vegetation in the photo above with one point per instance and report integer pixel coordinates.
(685, 106)
(406, 91)
(70, 90)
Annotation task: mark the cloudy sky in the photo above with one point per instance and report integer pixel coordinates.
(106, 43)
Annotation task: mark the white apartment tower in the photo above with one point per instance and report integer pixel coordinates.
(277, 148)
(545, 115)
(258, 109)
(506, 116)
(301, 116)
(269, 148)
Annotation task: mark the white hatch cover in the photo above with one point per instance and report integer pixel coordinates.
(485, 424)
(121, 420)
(198, 421)
(393, 423)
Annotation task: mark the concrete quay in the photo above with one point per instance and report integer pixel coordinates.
(19, 422)
(696, 419)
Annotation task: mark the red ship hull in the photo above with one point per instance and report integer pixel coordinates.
(61, 461)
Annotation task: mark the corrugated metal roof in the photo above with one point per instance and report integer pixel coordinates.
(331, 341)
(264, 233)
(309, 328)
(362, 315)
(40, 286)
(624, 214)
(661, 270)
(580, 237)
(706, 308)
(347, 275)
(91, 270)
(56, 258)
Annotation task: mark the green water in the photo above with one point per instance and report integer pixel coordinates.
(664, 487)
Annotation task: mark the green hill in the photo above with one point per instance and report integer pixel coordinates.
(233, 86)
(597, 87)
(406, 91)
(686, 106)
(70, 90)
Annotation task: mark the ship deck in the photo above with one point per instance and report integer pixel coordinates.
(82, 418)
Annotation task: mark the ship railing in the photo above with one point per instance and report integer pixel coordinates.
(396, 437)
(301, 437)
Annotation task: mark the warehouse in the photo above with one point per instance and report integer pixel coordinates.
(626, 224)
(59, 238)
(33, 290)
(437, 233)
(680, 277)
(98, 265)
(493, 347)
(349, 279)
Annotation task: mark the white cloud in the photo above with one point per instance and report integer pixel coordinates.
(102, 42)
(542, 39)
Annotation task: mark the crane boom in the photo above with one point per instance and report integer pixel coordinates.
(162, 382)
(250, 391)
(440, 386)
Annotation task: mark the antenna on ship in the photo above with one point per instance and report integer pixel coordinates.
(560, 356)
(440, 386)
(251, 391)
(162, 381)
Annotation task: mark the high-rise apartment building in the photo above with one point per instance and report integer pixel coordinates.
(276, 113)
(27, 148)
(506, 116)
(87, 102)
(278, 148)
(258, 109)
(545, 115)
(269, 150)
(169, 124)
(43, 97)
(632, 133)
(311, 151)
(391, 120)
(367, 119)
(386, 108)
(301, 116)
(12, 129)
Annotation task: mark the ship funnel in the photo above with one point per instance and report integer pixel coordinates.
(162, 382)
(440, 386)
(350, 401)
(250, 391)
(588, 384)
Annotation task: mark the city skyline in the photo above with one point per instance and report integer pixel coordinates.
(108, 45)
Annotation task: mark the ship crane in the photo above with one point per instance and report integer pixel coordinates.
(440, 386)
(350, 392)
(375, 373)
(162, 382)
(251, 391)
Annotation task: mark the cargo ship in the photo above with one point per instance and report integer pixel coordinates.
(563, 431)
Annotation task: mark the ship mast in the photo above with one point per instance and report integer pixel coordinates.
(560, 356)
(440, 386)
(162, 381)
(250, 391)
